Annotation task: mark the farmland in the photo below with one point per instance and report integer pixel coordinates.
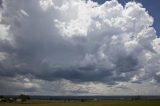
(86, 103)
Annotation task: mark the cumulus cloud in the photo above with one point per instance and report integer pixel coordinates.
(82, 44)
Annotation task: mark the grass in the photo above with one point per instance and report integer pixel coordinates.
(87, 103)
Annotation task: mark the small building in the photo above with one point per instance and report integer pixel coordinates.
(10, 100)
(18, 100)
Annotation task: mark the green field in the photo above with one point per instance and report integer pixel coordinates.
(87, 103)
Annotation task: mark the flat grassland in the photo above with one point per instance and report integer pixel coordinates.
(87, 103)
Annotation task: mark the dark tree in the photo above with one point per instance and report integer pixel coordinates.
(24, 97)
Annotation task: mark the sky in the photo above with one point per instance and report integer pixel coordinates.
(73, 47)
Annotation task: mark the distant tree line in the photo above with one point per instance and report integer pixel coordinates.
(19, 98)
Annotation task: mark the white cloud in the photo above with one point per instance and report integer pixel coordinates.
(3, 29)
(2, 56)
(24, 12)
(156, 45)
(45, 4)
